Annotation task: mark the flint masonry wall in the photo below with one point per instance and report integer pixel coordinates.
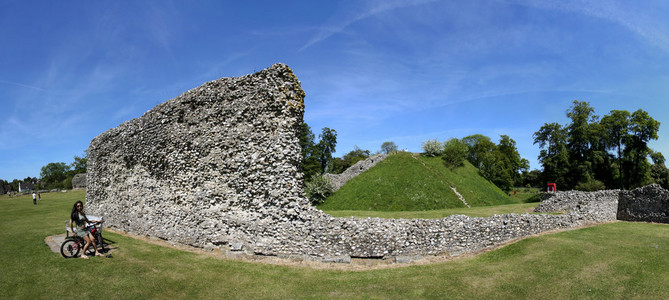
(217, 167)
(338, 180)
(647, 204)
(79, 181)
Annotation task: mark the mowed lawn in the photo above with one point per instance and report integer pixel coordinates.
(611, 261)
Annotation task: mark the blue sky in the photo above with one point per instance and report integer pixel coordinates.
(375, 71)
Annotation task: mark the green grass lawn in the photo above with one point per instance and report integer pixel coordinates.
(612, 261)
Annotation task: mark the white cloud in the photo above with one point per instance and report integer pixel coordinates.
(359, 11)
(646, 19)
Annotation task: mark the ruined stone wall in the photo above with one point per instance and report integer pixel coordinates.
(570, 200)
(217, 167)
(79, 181)
(338, 180)
(210, 166)
(647, 204)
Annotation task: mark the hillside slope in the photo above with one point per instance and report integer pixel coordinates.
(407, 182)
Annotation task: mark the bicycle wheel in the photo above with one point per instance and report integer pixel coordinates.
(70, 248)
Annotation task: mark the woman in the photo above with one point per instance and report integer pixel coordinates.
(79, 218)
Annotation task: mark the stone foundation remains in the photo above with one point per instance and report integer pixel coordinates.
(217, 167)
(647, 204)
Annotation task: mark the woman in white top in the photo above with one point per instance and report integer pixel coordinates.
(79, 218)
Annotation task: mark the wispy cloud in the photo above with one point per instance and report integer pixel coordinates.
(348, 16)
(628, 14)
(21, 85)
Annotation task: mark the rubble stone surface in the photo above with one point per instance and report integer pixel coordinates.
(338, 180)
(79, 181)
(218, 167)
(646, 204)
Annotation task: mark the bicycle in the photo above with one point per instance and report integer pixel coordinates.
(72, 246)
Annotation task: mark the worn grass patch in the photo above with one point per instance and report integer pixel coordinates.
(611, 261)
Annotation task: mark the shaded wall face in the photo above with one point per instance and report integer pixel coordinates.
(228, 147)
(646, 204)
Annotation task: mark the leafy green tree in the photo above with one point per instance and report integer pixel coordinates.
(553, 155)
(515, 164)
(531, 179)
(307, 138)
(589, 154)
(53, 174)
(79, 164)
(658, 171)
(455, 153)
(326, 146)
(388, 147)
(643, 128)
(310, 165)
(504, 166)
(479, 146)
(616, 132)
(579, 133)
(432, 148)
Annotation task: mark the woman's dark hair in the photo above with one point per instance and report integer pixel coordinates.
(74, 215)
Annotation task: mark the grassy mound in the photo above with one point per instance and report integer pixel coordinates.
(407, 182)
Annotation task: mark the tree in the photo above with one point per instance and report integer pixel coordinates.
(479, 146)
(432, 148)
(616, 131)
(503, 166)
(658, 171)
(388, 147)
(531, 179)
(643, 128)
(326, 146)
(455, 153)
(590, 154)
(553, 156)
(310, 165)
(79, 164)
(53, 174)
(579, 140)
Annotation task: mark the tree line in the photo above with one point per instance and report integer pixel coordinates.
(593, 153)
(317, 156)
(55, 175)
(499, 163)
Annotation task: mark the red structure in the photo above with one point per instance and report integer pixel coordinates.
(551, 187)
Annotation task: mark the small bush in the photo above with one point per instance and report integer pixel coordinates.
(432, 148)
(318, 189)
(591, 186)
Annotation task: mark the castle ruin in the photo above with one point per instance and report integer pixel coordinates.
(218, 167)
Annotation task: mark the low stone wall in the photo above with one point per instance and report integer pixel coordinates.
(338, 180)
(218, 168)
(570, 200)
(647, 204)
